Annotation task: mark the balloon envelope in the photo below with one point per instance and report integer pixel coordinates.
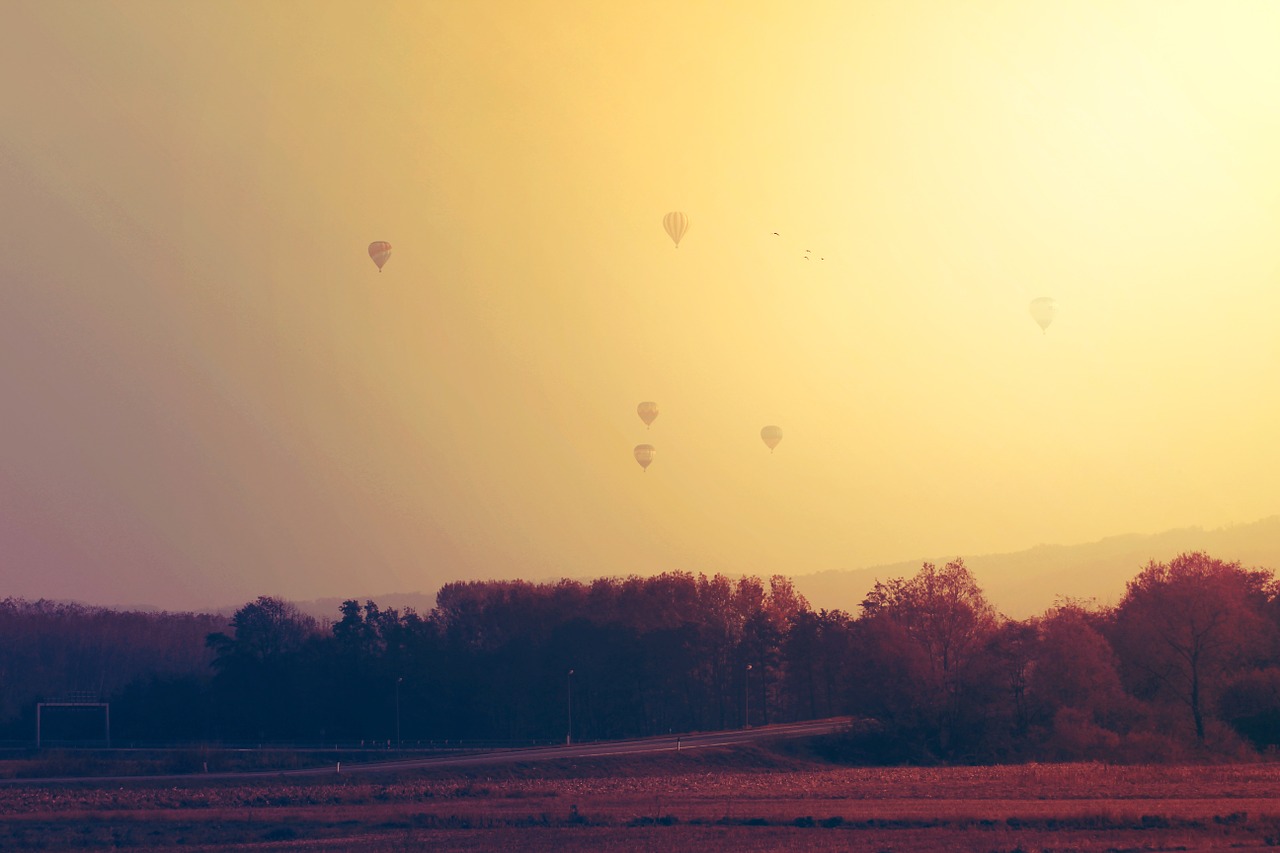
(771, 435)
(379, 250)
(1043, 310)
(647, 411)
(644, 454)
(676, 224)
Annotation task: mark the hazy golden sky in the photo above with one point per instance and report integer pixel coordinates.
(210, 392)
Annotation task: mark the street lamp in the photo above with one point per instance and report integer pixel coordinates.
(746, 698)
(568, 738)
(398, 680)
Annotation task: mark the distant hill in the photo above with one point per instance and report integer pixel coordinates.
(1026, 583)
(1019, 584)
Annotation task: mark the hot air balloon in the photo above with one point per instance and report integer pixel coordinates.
(647, 411)
(676, 224)
(1043, 310)
(644, 454)
(380, 250)
(771, 435)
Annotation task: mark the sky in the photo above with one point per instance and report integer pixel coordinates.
(211, 393)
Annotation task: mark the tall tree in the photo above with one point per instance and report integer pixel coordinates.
(1075, 666)
(260, 670)
(1184, 626)
(925, 639)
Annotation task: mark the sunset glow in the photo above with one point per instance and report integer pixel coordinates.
(213, 393)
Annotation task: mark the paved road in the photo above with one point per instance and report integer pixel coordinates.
(598, 749)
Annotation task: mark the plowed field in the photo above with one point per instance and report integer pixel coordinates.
(742, 801)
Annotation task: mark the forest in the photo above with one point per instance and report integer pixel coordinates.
(1186, 665)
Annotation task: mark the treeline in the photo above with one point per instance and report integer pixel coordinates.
(50, 650)
(1187, 664)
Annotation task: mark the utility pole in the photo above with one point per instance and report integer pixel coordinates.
(398, 681)
(568, 738)
(746, 698)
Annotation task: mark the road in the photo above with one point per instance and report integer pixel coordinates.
(596, 749)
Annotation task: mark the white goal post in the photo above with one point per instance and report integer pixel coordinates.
(74, 701)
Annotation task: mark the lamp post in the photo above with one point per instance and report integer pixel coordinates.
(568, 738)
(746, 698)
(398, 680)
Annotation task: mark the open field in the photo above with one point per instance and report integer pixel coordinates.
(746, 799)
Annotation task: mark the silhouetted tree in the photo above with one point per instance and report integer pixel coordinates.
(923, 641)
(1011, 651)
(1250, 703)
(1075, 667)
(1184, 626)
(49, 649)
(817, 650)
(260, 673)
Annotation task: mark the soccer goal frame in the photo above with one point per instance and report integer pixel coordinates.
(73, 703)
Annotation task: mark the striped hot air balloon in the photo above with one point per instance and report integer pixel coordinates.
(676, 224)
(380, 250)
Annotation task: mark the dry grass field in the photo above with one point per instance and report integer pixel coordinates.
(745, 800)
